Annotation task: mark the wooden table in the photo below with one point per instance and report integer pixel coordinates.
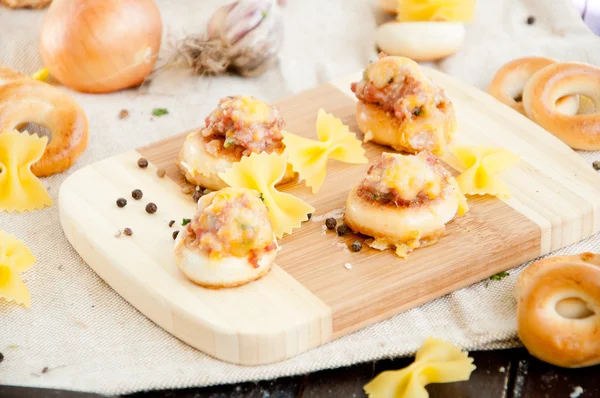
(499, 374)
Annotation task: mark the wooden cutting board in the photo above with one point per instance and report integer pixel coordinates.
(310, 297)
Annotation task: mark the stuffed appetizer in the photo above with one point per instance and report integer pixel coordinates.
(405, 201)
(239, 126)
(228, 242)
(399, 107)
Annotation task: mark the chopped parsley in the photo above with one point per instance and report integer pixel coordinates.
(228, 142)
(186, 221)
(499, 276)
(417, 111)
(375, 197)
(261, 197)
(264, 13)
(159, 111)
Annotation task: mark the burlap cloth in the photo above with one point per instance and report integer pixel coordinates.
(91, 339)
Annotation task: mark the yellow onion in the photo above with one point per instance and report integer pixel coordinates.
(99, 46)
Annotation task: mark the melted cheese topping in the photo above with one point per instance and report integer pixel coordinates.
(20, 189)
(409, 176)
(437, 361)
(15, 258)
(231, 222)
(391, 68)
(309, 157)
(248, 109)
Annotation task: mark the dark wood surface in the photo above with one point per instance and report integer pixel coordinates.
(499, 374)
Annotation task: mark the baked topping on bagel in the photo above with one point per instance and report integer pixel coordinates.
(230, 231)
(404, 201)
(400, 107)
(558, 311)
(239, 126)
(404, 180)
(243, 125)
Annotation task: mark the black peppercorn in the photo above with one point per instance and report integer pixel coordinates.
(596, 165)
(151, 208)
(356, 246)
(128, 231)
(330, 223)
(196, 196)
(143, 163)
(342, 230)
(171, 223)
(175, 233)
(309, 215)
(137, 194)
(121, 202)
(1, 357)
(530, 20)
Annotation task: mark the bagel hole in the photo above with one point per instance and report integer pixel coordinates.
(586, 105)
(34, 128)
(573, 308)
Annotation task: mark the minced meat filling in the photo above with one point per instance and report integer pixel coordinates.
(410, 180)
(406, 95)
(243, 125)
(232, 224)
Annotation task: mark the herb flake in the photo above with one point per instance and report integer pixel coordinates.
(499, 276)
(185, 221)
(159, 112)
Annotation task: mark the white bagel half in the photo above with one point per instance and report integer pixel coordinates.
(420, 41)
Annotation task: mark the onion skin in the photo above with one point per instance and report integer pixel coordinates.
(100, 46)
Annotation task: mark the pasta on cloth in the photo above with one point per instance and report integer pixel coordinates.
(309, 157)
(261, 172)
(15, 258)
(437, 361)
(481, 168)
(20, 190)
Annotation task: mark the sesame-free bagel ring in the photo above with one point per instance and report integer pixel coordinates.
(559, 80)
(558, 310)
(509, 82)
(24, 100)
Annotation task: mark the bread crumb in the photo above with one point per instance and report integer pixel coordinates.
(123, 114)
(348, 266)
(576, 392)
(342, 246)
(502, 369)
(118, 233)
(336, 213)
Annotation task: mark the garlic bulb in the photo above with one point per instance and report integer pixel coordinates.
(244, 35)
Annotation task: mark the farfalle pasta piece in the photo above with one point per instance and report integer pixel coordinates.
(15, 258)
(20, 190)
(309, 157)
(261, 171)
(481, 166)
(437, 361)
(436, 10)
